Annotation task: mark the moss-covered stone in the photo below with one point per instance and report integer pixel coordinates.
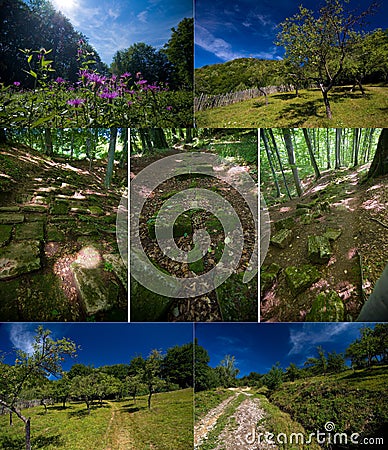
(59, 208)
(96, 211)
(5, 234)
(286, 223)
(34, 208)
(11, 218)
(332, 234)
(147, 306)
(118, 267)
(300, 278)
(18, 258)
(238, 300)
(327, 307)
(197, 266)
(29, 231)
(319, 249)
(36, 217)
(60, 219)
(95, 292)
(268, 276)
(4, 209)
(282, 239)
(306, 219)
(302, 211)
(9, 308)
(55, 234)
(305, 205)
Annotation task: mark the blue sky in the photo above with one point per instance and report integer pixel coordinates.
(101, 343)
(257, 347)
(226, 29)
(113, 25)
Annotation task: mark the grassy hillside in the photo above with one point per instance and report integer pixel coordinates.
(354, 401)
(117, 425)
(286, 110)
(235, 75)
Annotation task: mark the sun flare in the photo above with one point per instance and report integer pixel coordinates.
(65, 5)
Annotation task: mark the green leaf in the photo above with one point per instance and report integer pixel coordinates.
(29, 59)
(46, 62)
(33, 74)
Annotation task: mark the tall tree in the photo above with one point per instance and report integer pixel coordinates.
(311, 153)
(338, 145)
(180, 52)
(291, 160)
(267, 151)
(111, 157)
(151, 374)
(379, 164)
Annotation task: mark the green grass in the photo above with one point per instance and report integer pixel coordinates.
(118, 425)
(285, 110)
(354, 401)
(207, 400)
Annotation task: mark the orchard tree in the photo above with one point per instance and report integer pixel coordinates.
(61, 389)
(151, 374)
(322, 43)
(46, 359)
(134, 385)
(85, 388)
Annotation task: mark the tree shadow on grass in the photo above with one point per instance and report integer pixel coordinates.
(368, 373)
(41, 441)
(288, 96)
(297, 114)
(131, 408)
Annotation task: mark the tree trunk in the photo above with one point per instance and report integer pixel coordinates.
(328, 149)
(3, 136)
(111, 157)
(124, 157)
(291, 160)
(324, 91)
(379, 164)
(338, 132)
(356, 146)
(189, 135)
(149, 399)
(48, 142)
(311, 153)
(266, 145)
(28, 434)
(279, 161)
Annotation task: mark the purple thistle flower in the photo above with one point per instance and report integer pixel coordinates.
(141, 82)
(76, 102)
(16, 83)
(60, 80)
(130, 103)
(125, 75)
(109, 95)
(169, 108)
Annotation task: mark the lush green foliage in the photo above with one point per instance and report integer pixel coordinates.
(237, 75)
(355, 146)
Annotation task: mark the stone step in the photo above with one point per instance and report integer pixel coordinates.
(19, 258)
(11, 218)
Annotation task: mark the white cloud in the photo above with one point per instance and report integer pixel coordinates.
(22, 337)
(217, 46)
(311, 335)
(113, 13)
(143, 16)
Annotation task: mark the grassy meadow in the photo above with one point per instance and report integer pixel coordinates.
(116, 425)
(350, 109)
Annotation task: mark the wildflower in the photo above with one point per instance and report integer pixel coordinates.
(76, 102)
(93, 77)
(125, 75)
(60, 80)
(141, 82)
(109, 95)
(130, 103)
(169, 108)
(16, 83)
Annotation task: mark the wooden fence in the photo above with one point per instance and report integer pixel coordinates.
(205, 101)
